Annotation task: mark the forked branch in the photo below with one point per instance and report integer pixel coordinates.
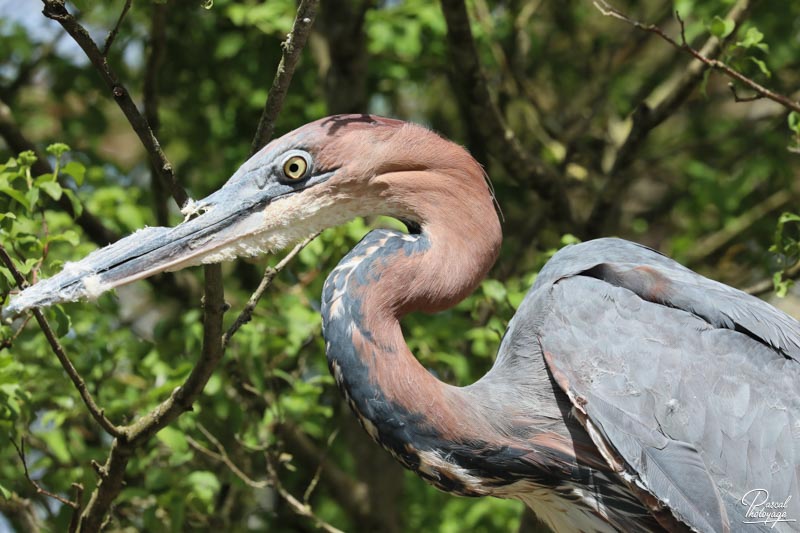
(610, 11)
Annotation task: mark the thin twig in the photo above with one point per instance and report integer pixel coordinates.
(716, 64)
(39, 490)
(269, 276)
(712, 243)
(75, 520)
(737, 98)
(222, 455)
(96, 412)
(113, 33)
(292, 47)
(303, 509)
(645, 119)
(318, 473)
(8, 342)
(56, 10)
(768, 285)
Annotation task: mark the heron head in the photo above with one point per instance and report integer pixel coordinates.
(317, 176)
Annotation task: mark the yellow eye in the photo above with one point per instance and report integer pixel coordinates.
(295, 167)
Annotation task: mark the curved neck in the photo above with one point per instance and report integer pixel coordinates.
(387, 275)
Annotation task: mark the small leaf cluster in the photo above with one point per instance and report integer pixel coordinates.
(786, 247)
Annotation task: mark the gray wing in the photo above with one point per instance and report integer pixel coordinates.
(691, 385)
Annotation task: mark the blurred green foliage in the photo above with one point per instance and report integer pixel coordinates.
(566, 80)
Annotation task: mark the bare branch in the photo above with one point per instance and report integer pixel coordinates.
(58, 350)
(269, 275)
(292, 47)
(768, 285)
(222, 456)
(56, 10)
(315, 480)
(180, 401)
(111, 476)
(646, 119)
(39, 490)
(113, 33)
(303, 509)
(704, 58)
(712, 243)
(738, 98)
(495, 133)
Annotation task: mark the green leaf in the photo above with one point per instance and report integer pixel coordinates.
(494, 290)
(762, 66)
(18, 196)
(173, 439)
(58, 445)
(721, 28)
(781, 286)
(68, 236)
(788, 217)
(57, 149)
(794, 122)
(44, 178)
(204, 485)
(52, 189)
(5, 492)
(33, 197)
(63, 322)
(752, 38)
(77, 206)
(76, 170)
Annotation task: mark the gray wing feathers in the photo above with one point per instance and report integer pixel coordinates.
(667, 282)
(701, 414)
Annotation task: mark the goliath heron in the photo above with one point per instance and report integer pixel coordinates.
(629, 393)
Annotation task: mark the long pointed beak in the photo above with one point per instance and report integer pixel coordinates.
(210, 234)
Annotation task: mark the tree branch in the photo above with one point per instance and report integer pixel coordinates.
(39, 490)
(112, 473)
(113, 33)
(222, 455)
(712, 243)
(646, 119)
(303, 509)
(269, 275)
(292, 47)
(768, 285)
(56, 10)
(488, 122)
(58, 350)
(703, 57)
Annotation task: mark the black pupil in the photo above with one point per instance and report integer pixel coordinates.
(294, 168)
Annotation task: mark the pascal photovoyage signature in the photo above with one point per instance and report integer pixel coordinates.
(762, 510)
